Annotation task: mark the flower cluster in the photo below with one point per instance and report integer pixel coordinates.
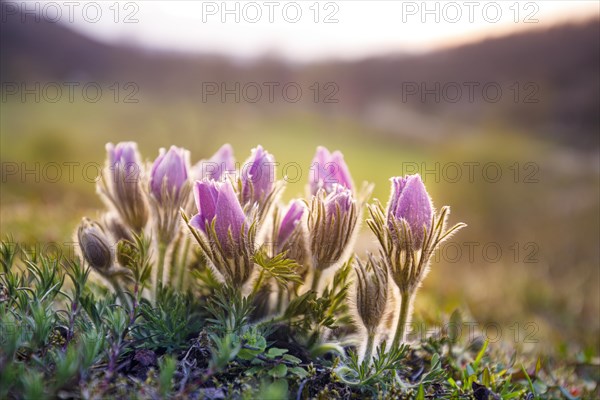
(248, 240)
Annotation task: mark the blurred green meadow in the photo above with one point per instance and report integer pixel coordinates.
(542, 213)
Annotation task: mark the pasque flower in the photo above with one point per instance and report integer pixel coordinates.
(223, 231)
(98, 252)
(409, 232)
(169, 173)
(258, 176)
(371, 291)
(216, 167)
(327, 170)
(218, 203)
(123, 191)
(332, 226)
(95, 245)
(411, 203)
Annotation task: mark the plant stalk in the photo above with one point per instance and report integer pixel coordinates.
(370, 346)
(316, 279)
(162, 252)
(406, 299)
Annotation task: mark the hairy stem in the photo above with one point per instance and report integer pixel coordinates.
(369, 348)
(316, 279)
(406, 299)
(162, 252)
(183, 271)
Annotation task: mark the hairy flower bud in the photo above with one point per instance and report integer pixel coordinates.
(332, 226)
(258, 176)
(123, 191)
(327, 170)
(95, 246)
(371, 286)
(169, 173)
(410, 202)
(228, 237)
(216, 167)
(216, 201)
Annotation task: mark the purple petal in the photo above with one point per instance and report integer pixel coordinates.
(341, 198)
(412, 203)
(329, 170)
(206, 193)
(290, 221)
(342, 175)
(217, 166)
(170, 168)
(230, 215)
(258, 175)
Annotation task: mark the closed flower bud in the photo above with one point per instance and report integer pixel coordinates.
(411, 203)
(169, 173)
(371, 287)
(258, 176)
(216, 167)
(332, 226)
(216, 201)
(327, 170)
(123, 191)
(95, 246)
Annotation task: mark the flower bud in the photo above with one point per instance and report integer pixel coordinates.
(371, 286)
(169, 173)
(332, 226)
(328, 170)
(216, 201)
(216, 167)
(258, 176)
(95, 246)
(410, 202)
(124, 190)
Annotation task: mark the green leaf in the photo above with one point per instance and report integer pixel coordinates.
(480, 354)
(299, 371)
(420, 393)
(275, 352)
(279, 371)
(292, 359)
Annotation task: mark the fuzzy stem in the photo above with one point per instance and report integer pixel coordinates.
(406, 299)
(162, 252)
(369, 349)
(119, 290)
(183, 266)
(316, 279)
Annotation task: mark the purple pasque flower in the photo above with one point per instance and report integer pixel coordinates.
(290, 221)
(411, 202)
(258, 176)
(124, 155)
(329, 169)
(332, 226)
(217, 201)
(170, 169)
(124, 190)
(338, 202)
(216, 167)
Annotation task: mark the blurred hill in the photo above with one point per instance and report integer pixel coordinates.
(534, 70)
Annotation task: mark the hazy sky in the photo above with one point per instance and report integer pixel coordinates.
(309, 30)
